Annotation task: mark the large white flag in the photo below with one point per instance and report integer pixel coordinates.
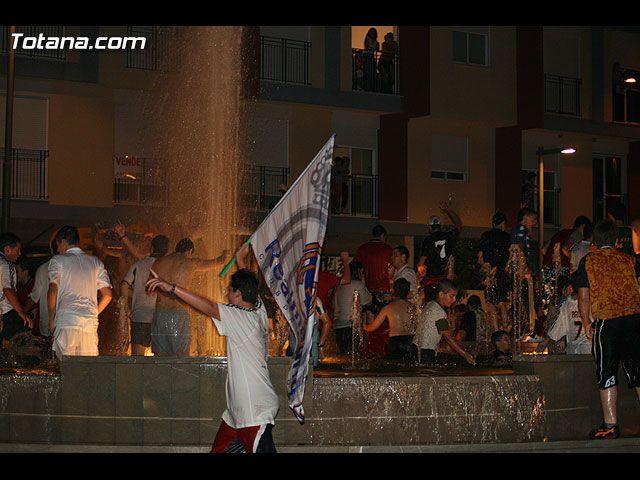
(288, 245)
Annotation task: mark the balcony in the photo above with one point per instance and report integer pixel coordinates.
(562, 95)
(355, 195)
(374, 72)
(33, 31)
(284, 60)
(28, 174)
(262, 186)
(144, 184)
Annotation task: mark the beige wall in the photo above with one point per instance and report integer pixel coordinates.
(80, 151)
(309, 130)
(473, 200)
(471, 92)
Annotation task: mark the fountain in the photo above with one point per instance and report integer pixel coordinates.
(195, 113)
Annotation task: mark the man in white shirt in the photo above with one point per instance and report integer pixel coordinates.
(343, 306)
(38, 295)
(76, 280)
(399, 260)
(252, 403)
(143, 306)
(14, 318)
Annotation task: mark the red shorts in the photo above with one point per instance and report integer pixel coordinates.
(256, 439)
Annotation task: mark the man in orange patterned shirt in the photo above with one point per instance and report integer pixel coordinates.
(607, 282)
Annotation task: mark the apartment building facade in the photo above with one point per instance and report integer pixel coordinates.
(461, 119)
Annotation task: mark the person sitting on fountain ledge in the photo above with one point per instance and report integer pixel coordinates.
(252, 403)
(433, 326)
(397, 313)
(503, 345)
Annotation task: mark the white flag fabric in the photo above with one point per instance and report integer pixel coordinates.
(288, 245)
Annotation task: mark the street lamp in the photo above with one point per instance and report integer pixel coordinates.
(541, 153)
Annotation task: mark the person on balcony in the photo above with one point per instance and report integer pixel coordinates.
(386, 64)
(371, 46)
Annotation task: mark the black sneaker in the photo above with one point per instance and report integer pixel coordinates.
(604, 433)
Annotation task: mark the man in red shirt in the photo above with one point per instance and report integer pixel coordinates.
(375, 256)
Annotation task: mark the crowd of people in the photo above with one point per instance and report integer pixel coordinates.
(584, 298)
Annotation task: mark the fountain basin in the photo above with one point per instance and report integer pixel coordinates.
(178, 401)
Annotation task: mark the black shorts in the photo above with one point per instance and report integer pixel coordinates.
(141, 333)
(12, 324)
(615, 341)
(398, 347)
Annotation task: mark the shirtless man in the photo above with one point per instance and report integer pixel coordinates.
(397, 313)
(171, 325)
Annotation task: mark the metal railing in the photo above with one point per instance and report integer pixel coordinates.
(155, 55)
(284, 60)
(374, 71)
(150, 187)
(28, 173)
(354, 195)
(34, 32)
(261, 185)
(562, 95)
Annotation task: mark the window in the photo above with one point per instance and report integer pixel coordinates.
(470, 45)
(609, 183)
(449, 160)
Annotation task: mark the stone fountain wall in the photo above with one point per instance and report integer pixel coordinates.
(178, 401)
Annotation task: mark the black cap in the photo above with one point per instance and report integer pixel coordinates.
(498, 218)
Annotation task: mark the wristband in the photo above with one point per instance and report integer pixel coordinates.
(173, 290)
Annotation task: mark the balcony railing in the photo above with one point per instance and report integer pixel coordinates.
(33, 32)
(354, 195)
(262, 186)
(28, 173)
(284, 60)
(149, 186)
(374, 72)
(562, 95)
(155, 55)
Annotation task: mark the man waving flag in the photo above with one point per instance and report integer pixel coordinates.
(288, 245)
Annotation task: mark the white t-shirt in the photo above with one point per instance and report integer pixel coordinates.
(251, 398)
(409, 275)
(142, 305)
(343, 302)
(568, 323)
(79, 276)
(432, 323)
(8, 279)
(39, 295)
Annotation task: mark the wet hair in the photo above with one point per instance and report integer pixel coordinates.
(184, 245)
(564, 281)
(401, 288)
(525, 212)
(474, 302)
(498, 218)
(445, 286)
(159, 246)
(378, 230)
(68, 233)
(581, 220)
(246, 282)
(402, 250)
(497, 336)
(8, 239)
(605, 233)
(354, 268)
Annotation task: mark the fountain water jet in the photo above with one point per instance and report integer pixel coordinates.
(194, 123)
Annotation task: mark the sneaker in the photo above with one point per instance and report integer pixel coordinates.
(603, 432)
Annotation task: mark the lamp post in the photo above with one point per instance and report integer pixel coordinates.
(8, 133)
(541, 153)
